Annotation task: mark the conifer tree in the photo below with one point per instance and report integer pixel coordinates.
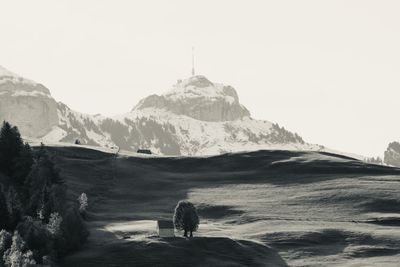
(23, 164)
(14, 207)
(10, 147)
(4, 214)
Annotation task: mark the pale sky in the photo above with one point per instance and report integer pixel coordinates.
(329, 70)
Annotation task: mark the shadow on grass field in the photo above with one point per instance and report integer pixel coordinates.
(246, 195)
(199, 251)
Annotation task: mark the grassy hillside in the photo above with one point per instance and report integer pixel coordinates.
(310, 207)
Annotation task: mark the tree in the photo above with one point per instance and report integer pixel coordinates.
(34, 190)
(36, 236)
(5, 243)
(186, 218)
(34, 205)
(17, 255)
(23, 164)
(44, 189)
(10, 147)
(15, 157)
(4, 214)
(48, 168)
(83, 202)
(14, 207)
(54, 225)
(73, 230)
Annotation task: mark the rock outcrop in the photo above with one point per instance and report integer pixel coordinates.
(26, 104)
(392, 154)
(200, 99)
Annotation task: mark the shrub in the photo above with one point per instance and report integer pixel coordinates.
(36, 236)
(5, 243)
(17, 255)
(54, 225)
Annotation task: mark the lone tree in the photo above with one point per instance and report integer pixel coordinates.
(186, 218)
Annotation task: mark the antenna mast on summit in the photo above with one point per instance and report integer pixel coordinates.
(193, 72)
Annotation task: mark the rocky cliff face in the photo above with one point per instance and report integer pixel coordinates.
(200, 99)
(392, 154)
(26, 104)
(195, 117)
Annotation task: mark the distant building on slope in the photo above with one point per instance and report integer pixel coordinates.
(165, 228)
(144, 151)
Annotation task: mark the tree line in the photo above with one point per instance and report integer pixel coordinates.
(37, 223)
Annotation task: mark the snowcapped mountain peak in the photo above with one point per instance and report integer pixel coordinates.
(198, 98)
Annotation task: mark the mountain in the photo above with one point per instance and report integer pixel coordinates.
(392, 154)
(194, 117)
(27, 104)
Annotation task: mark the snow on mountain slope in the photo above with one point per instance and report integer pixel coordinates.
(73, 126)
(195, 117)
(196, 137)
